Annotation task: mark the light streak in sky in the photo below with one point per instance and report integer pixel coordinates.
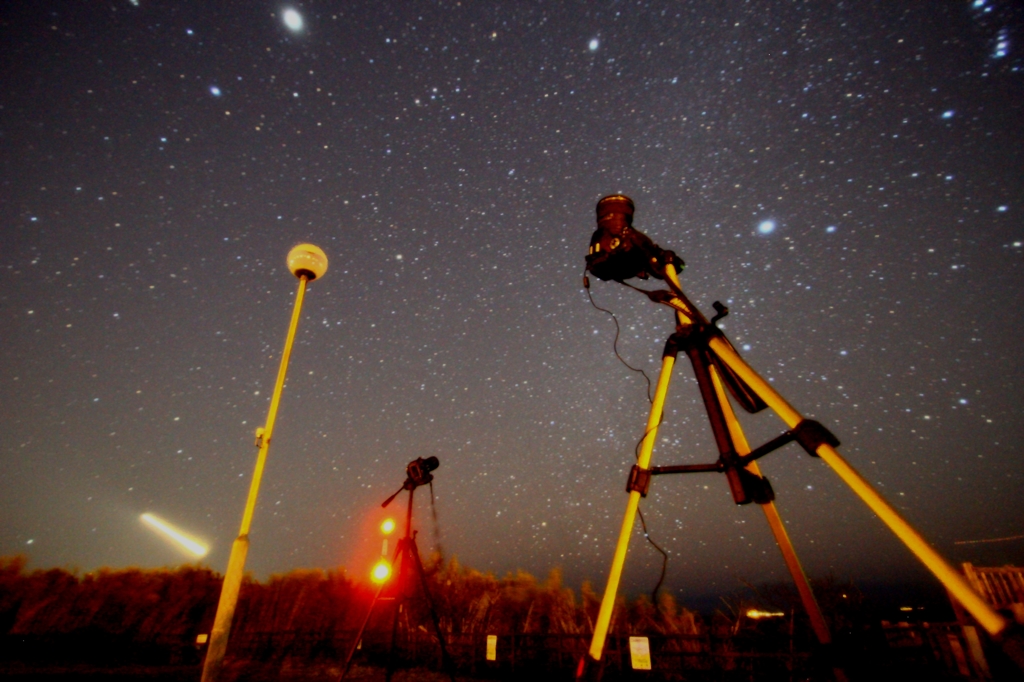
(975, 542)
(183, 541)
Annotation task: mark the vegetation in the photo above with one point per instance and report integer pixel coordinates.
(131, 616)
(160, 604)
(154, 616)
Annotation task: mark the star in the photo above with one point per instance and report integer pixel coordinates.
(293, 20)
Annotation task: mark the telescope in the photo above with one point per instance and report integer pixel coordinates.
(618, 252)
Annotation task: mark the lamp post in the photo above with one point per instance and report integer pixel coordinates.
(307, 262)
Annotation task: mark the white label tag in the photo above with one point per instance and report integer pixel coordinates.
(640, 653)
(492, 647)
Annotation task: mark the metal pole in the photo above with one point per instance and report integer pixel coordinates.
(306, 262)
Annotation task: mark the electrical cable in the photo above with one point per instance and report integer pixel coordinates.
(615, 343)
(636, 449)
(437, 525)
(664, 559)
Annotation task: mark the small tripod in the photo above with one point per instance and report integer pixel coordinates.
(619, 252)
(408, 553)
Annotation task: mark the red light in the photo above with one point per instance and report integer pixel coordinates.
(381, 571)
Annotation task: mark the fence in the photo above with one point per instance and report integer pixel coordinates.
(1001, 587)
(944, 648)
(700, 657)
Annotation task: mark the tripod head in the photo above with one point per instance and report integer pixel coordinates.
(417, 473)
(618, 251)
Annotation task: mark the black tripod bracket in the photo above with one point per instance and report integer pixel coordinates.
(639, 480)
(811, 435)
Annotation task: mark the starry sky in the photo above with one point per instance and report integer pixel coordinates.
(847, 177)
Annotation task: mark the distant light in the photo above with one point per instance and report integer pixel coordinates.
(388, 526)
(190, 545)
(594, 44)
(949, 113)
(292, 19)
(830, 229)
(766, 227)
(1003, 209)
(757, 614)
(381, 572)
(215, 91)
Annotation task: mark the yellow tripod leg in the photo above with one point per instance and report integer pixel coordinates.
(771, 514)
(604, 615)
(947, 575)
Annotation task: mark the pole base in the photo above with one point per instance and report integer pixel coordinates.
(589, 670)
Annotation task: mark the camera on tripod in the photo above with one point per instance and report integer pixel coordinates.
(407, 558)
(419, 470)
(618, 251)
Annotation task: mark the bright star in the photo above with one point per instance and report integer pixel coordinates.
(948, 114)
(594, 44)
(292, 19)
(1002, 45)
(215, 91)
(766, 227)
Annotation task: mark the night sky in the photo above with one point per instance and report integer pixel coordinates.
(847, 176)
